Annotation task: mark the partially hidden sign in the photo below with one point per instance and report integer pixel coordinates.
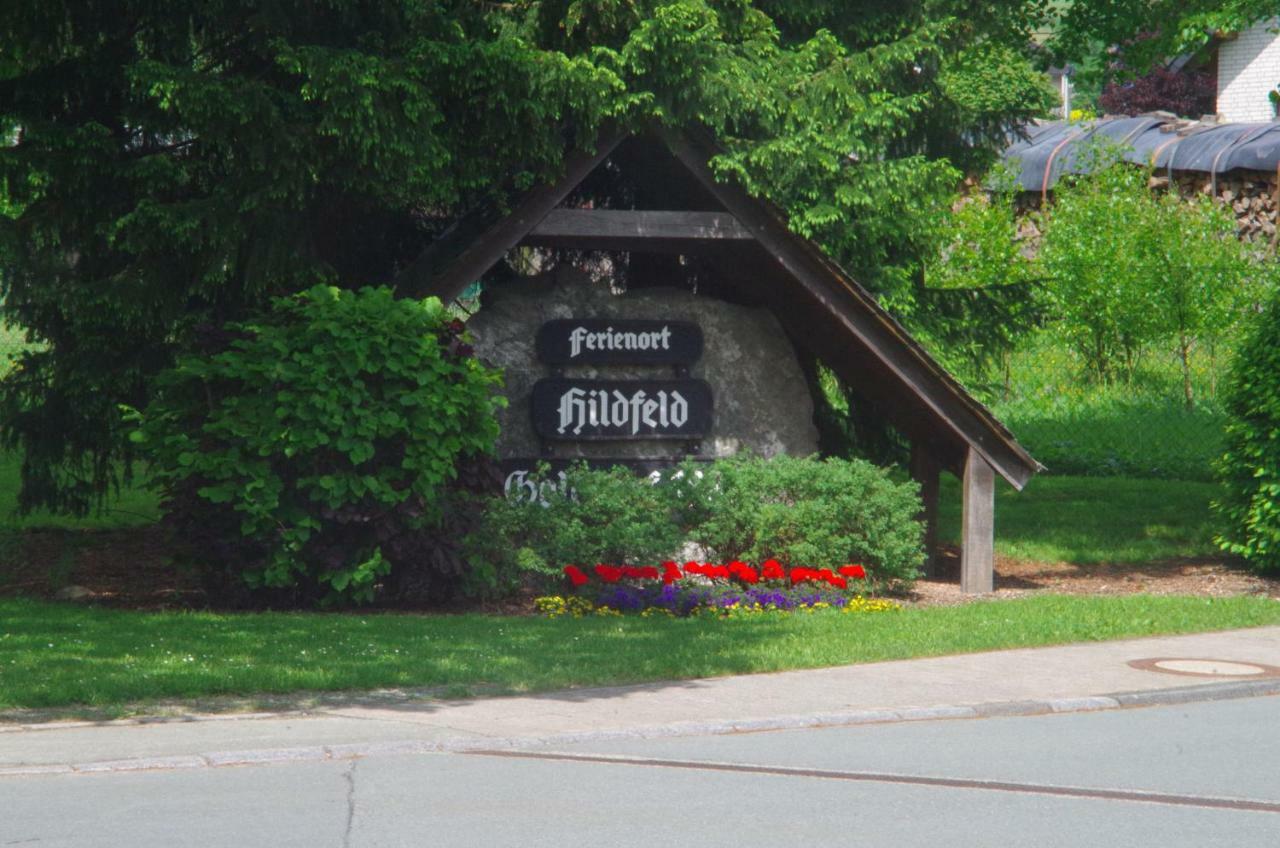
(602, 341)
(581, 410)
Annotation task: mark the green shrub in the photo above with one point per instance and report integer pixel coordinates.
(1124, 268)
(809, 512)
(1249, 511)
(816, 513)
(607, 515)
(311, 451)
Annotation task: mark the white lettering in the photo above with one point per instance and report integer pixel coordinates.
(517, 484)
(637, 403)
(521, 486)
(616, 411)
(650, 407)
(610, 339)
(679, 410)
(620, 416)
(575, 341)
(572, 409)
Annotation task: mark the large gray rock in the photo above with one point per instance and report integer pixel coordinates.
(73, 593)
(761, 398)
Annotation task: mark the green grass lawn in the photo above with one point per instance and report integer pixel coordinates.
(1087, 520)
(1138, 427)
(134, 505)
(53, 655)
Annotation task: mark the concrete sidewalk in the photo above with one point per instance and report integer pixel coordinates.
(1035, 680)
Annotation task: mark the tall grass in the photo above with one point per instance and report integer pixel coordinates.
(1089, 520)
(1136, 427)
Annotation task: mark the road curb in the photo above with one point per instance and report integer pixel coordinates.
(347, 751)
(1203, 692)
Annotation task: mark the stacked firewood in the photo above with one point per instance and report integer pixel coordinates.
(1252, 196)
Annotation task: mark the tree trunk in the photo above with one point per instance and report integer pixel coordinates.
(1213, 364)
(1184, 350)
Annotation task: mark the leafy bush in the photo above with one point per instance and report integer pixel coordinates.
(805, 512)
(982, 284)
(1186, 93)
(310, 452)
(1125, 268)
(609, 515)
(1098, 280)
(814, 513)
(1249, 510)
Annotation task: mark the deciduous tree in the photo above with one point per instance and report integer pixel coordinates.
(173, 165)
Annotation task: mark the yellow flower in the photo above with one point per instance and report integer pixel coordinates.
(552, 606)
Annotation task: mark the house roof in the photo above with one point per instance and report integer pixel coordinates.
(819, 304)
(1052, 149)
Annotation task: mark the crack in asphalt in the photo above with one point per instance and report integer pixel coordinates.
(1130, 795)
(350, 777)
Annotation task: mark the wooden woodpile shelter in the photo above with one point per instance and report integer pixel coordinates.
(747, 244)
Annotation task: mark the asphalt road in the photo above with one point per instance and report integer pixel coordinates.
(1204, 774)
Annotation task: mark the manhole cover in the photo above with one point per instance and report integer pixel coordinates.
(1206, 667)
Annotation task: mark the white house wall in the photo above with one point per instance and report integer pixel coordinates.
(1248, 70)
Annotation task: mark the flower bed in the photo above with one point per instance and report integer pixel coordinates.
(703, 588)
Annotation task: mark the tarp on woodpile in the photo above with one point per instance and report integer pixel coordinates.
(1047, 151)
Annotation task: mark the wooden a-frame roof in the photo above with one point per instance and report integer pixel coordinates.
(747, 241)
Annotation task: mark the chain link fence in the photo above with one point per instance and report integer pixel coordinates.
(1140, 425)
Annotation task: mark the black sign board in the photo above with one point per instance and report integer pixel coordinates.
(580, 410)
(602, 341)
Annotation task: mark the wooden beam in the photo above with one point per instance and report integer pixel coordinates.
(758, 280)
(926, 470)
(628, 229)
(863, 319)
(978, 526)
(465, 252)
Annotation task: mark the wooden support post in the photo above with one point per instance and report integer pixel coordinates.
(925, 470)
(978, 530)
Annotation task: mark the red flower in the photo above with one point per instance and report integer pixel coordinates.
(772, 570)
(608, 573)
(857, 572)
(575, 575)
(649, 572)
(839, 582)
(693, 568)
(749, 575)
(671, 572)
(718, 571)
